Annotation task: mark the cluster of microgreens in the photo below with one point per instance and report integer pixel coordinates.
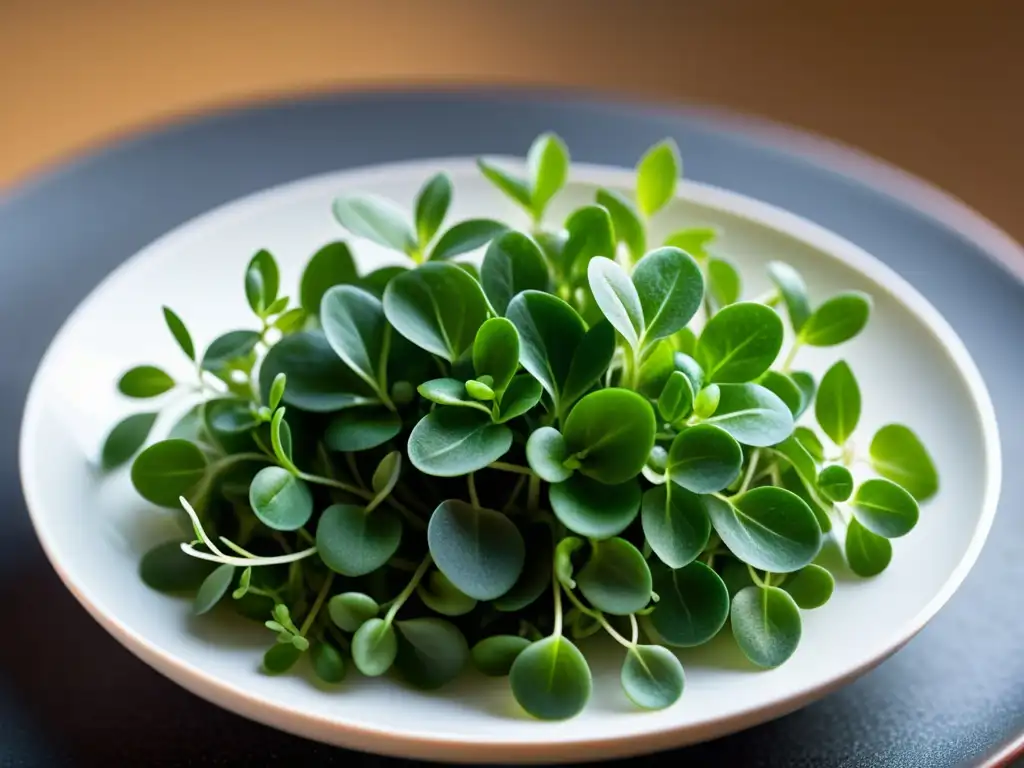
(443, 464)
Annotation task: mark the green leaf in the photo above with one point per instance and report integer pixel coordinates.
(550, 679)
(739, 343)
(354, 325)
(514, 187)
(167, 569)
(431, 206)
(787, 390)
(513, 263)
(811, 442)
(449, 442)
(546, 454)
(675, 524)
(496, 352)
(127, 436)
(563, 560)
(676, 398)
(386, 475)
(810, 587)
(706, 402)
(724, 282)
(736, 576)
(353, 542)
(805, 383)
(768, 528)
(897, 454)
(693, 240)
(376, 219)
(536, 575)
(837, 405)
(441, 596)
(617, 298)
(522, 394)
(626, 222)
(837, 320)
(145, 381)
(791, 480)
(766, 625)
(431, 652)
(438, 307)
(291, 321)
(331, 265)
(328, 663)
(693, 605)
(180, 333)
(835, 483)
(450, 392)
(704, 459)
(213, 588)
(884, 508)
(377, 281)
(262, 281)
(671, 288)
(610, 433)
(374, 647)
(495, 655)
(794, 293)
(466, 236)
(277, 391)
(657, 174)
(350, 610)
(867, 553)
(752, 414)
(593, 509)
(652, 677)
(230, 419)
(318, 380)
(280, 658)
(591, 359)
(590, 234)
(233, 349)
(281, 438)
(479, 391)
(280, 500)
(360, 429)
(616, 578)
(548, 161)
(480, 550)
(167, 470)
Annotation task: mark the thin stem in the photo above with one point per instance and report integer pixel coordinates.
(474, 499)
(245, 562)
(756, 579)
(237, 549)
(402, 564)
(557, 586)
(788, 363)
(406, 593)
(533, 494)
(317, 604)
(227, 461)
(516, 490)
(754, 458)
(579, 605)
(262, 446)
(361, 493)
(635, 627)
(350, 460)
(504, 467)
(611, 631)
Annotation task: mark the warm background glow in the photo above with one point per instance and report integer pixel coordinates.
(934, 86)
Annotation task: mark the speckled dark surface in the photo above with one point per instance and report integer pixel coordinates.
(70, 695)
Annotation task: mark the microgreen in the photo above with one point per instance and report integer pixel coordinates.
(434, 465)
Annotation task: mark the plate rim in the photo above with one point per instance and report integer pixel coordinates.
(383, 741)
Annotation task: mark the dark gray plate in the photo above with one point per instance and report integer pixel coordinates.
(71, 695)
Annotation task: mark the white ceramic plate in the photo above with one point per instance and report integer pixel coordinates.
(911, 366)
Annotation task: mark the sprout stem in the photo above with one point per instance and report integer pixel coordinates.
(504, 467)
(406, 593)
(474, 499)
(317, 604)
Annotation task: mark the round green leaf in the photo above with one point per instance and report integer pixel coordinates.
(808, 389)
(331, 265)
(724, 282)
(376, 282)
(167, 470)
(546, 453)
(704, 459)
(449, 442)
(550, 679)
(689, 367)
(693, 605)
(837, 320)
(431, 206)
(280, 500)
(374, 647)
(766, 625)
(706, 401)
(626, 222)
(548, 161)
(657, 364)
(350, 610)
(676, 398)
(431, 652)
(786, 389)
(810, 587)
(656, 176)
(354, 325)
(867, 553)
(794, 292)
(376, 219)
(671, 288)
(898, 455)
(675, 524)
(739, 343)
(318, 380)
(769, 528)
(262, 280)
(693, 240)
(280, 658)
(835, 483)
(441, 596)
(438, 307)
(480, 550)
(652, 677)
(145, 381)
(166, 568)
(496, 352)
(522, 394)
(466, 236)
(328, 663)
(127, 436)
(386, 475)
(213, 588)
(616, 578)
(495, 655)
(594, 509)
(590, 234)
(180, 333)
(752, 414)
(229, 417)
(837, 404)
(884, 508)
(610, 433)
(617, 297)
(513, 263)
(450, 392)
(359, 429)
(792, 480)
(536, 575)
(590, 360)
(353, 542)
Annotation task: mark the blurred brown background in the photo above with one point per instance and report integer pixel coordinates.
(933, 86)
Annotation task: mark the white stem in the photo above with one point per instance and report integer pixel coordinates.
(248, 561)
